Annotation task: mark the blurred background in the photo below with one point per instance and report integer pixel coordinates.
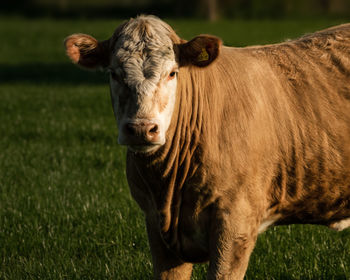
(209, 9)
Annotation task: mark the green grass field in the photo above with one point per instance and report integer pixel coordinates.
(65, 207)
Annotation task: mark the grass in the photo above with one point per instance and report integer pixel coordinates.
(65, 208)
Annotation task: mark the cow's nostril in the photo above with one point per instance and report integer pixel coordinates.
(152, 132)
(153, 128)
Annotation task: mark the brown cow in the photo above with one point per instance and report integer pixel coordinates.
(224, 142)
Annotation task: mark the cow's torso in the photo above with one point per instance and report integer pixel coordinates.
(274, 142)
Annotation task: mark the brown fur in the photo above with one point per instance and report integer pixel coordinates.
(189, 52)
(86, 51)
(262, 133)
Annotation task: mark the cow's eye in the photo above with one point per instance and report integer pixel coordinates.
(172, 75)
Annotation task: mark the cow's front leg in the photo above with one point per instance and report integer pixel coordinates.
(231, 244)
(166, 265)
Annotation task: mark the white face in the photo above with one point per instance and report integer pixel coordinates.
(143, 83)
(147, 99)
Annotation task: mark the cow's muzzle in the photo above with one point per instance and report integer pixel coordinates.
(140, 134)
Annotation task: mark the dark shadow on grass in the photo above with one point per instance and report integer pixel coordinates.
(84, 137)
(50, 73)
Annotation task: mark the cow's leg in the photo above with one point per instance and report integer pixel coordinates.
(166, 264)
(232, 241)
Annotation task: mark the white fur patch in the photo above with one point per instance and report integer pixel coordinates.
(142, 61)
(266, 223)
(341, 225)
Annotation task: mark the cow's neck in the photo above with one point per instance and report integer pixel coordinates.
(167, 171)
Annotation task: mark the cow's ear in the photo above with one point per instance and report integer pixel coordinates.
(200, 51)
(87, 52)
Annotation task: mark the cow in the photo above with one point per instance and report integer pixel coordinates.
(225, 142)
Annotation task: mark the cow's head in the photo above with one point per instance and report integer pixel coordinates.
(143, 56)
